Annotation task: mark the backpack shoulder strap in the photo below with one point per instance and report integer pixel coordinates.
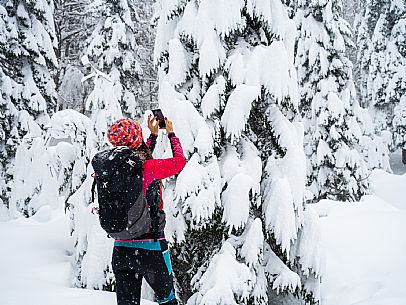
(153, 200)
(93, 189)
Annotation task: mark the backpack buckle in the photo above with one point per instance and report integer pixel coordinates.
(131, 162)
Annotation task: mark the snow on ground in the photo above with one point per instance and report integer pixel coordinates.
(391, 188)
(35, 263)
(365, 246)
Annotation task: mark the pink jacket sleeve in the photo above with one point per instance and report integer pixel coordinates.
(151, 141)
(164, 168)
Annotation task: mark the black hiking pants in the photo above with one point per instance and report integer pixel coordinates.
(132, 264)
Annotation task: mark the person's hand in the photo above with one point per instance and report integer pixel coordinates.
(153, 128)
(169, 127)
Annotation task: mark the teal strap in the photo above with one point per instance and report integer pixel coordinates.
(169, 298)
(147, 245)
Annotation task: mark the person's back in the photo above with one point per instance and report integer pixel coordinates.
(147, 254)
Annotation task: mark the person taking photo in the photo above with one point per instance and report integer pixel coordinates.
(130, 201)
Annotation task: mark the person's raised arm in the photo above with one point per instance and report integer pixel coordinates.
(151, 141)
(164, 168)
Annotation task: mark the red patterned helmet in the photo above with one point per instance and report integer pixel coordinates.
(125, 132)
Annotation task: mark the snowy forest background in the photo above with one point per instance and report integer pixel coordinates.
(279, 104)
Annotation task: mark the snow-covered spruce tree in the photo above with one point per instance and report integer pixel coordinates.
(145, 35)
(235, 215)
(364, 29)
(76, 20)
(113, 48)
(351, 13)
(387, 75)
(399, 123)
(375, 141)
(327, 101)
(396, 91)
(382, 32)
(8, 134)
(74, 24)
(27, 91)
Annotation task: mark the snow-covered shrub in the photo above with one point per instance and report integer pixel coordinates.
(66, 142)
(34, 182)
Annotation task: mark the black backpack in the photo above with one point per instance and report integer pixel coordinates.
(123, 209)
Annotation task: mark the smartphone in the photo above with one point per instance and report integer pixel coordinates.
(160, 116)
